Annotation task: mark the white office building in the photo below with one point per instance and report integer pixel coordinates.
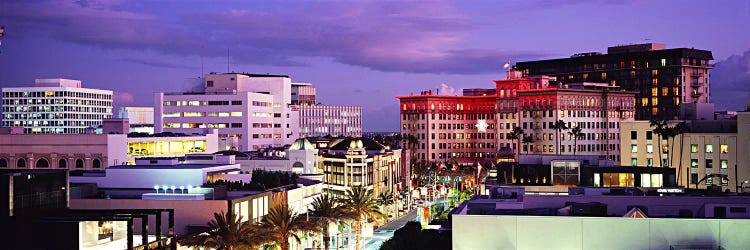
(322, 120)
(55, 106)
(251, 111)
(141, 119)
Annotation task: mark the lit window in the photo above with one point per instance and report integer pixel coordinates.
(633, 161)
(709, 148)
(649, 162)
(693, 163)
(693, 148)
(724, 148)
(663, 62)
(649, 148)
(724, 163)
(604, 75)
(634, 148)
(654, 101)
(654, 91)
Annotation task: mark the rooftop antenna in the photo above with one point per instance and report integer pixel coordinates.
(227, 59)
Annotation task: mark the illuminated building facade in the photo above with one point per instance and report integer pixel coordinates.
(323, 120)
(443, 128)
(303, 94)
(252, 109)
(362, 162)
(662, 78)
(141, 119)
(55, 106)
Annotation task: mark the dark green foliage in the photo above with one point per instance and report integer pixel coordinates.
(261, 180)
(412, 237)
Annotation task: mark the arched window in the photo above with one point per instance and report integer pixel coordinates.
(96, 163)
(79, 163)
(42, 163)
(62, 163)
(21, 163)
(3, 163)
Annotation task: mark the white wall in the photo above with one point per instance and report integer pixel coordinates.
(555, 232)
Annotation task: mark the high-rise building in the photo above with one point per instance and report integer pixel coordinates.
(323, 120)
(252, 109)
(662, 78)
(442, 127)
(303, 94)
(55, 106)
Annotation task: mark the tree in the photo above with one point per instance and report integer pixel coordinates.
(282, 223)
(671, 133)
(361, 203)
(575, 132)
(559, 126)
(412, 237)
(660, 126)
(326, 210)
(528, 140)
(516, 134)
(227, 233)
(386, 199)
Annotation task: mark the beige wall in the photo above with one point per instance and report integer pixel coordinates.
(192, 212)
(109, 149)
(681, 154)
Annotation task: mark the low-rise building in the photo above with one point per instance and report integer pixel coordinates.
(352, 162)
(141, 119)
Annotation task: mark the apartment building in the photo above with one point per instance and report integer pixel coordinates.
(324, 120)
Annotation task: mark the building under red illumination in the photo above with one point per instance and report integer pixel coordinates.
(474, 127)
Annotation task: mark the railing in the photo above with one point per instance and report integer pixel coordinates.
(40, 200)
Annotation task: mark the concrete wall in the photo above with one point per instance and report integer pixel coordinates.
(547, 232)
(109, 149)
(191, 212)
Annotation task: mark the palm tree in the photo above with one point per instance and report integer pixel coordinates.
(227, 232)
(659, 125)
(559, 126)
(516, 134)
(326, 210)
(362, 204)
(282, 223)
(527, 140)
(386, 199)
(671, 133)
(575, 132)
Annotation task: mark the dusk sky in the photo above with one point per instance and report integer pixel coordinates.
(355, 52)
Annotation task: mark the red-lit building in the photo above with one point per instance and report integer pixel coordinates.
(460, 128)
(475, 126)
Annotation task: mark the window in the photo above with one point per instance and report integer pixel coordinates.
(634, 148)
(3, 163)
(724, 148)
(649, 135)
(42, 163)
(649, 162)
(693, 178)
(649, 148)
(663, 62)
(21, 163)
(737, 210)
(96, 163)
(709, 163)
(633, 135)
(709, 148)
(693, 163)
(79, 163)
(724, 164)
(634, 161)
(62, 163)
(693, 148)
(209, 83)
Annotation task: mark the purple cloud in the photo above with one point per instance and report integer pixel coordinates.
(413, 37)
(730, 82)
(154, 63)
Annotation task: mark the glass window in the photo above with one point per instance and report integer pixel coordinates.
(724, 163)
(724, 148)
(634, 148)
(709, 148)
(693, 178)
(709, 163)
(693, 148)
(693, 163)
(633, 135)
(649, 135)
(649, 162)
(633, 161)
(649, 148)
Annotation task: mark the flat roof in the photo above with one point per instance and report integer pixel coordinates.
(164, 166)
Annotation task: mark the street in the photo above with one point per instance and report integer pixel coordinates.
(385, 232)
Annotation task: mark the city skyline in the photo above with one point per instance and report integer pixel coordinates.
(136, 48)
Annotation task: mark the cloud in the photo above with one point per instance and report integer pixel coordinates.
(398, 36)
(157, 63)
(123, 98)
(385, 119)
(730, 82)
(448, 90)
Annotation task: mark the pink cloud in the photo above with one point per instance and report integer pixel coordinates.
(123, 97)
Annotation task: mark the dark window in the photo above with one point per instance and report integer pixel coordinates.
(209, 83)
(79, 163)
(633, 135)
(62, 163)
(649, 135)
(3, 163)
(42, 163)
(21, 163)
(218, 103)
(236, 125)
(236, 102)
(96, 164)
(720, 212)
(693, 178)
(737, 210)
(709, 163)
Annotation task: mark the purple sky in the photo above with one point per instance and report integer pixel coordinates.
(355, 52)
